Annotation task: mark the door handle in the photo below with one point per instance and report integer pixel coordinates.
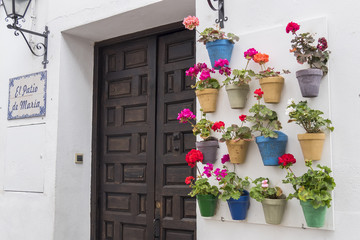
(176, 138)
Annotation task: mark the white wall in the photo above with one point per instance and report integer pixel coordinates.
(26, 213)
(62, 210)
(258, 24)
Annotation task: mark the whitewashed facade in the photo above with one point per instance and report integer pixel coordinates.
(47, 196)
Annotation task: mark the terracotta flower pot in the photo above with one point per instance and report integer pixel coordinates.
(311, 145)
(309, 81)
(209, 150)
(272, 88)
(237, 150)
(274, 210)
(208, 99)
(237, 95)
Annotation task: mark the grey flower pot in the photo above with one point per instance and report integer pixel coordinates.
(237, 95)
(274, 210)
(309, 81)
(209, 150)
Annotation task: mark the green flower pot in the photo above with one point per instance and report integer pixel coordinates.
(273, 210)
(207, 204)
(237, 95)
(314, 217)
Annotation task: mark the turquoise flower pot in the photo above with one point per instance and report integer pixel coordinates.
(314, 217)
(219, 49)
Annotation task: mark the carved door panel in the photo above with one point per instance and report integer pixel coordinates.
(178, 211)
(142, 81)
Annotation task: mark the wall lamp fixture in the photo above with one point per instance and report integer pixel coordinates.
(16, 10)
(220, 10)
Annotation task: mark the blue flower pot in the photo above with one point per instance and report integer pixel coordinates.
(219, 49)
(272, 148)
(239, 208)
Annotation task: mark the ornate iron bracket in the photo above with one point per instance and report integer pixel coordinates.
(39, 46)
(220, 10)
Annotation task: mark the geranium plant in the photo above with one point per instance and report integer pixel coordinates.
(201, 127)
(232, 186)
(262, 59)
(309, 119)
(262, 190)
(205, 80)
(305, 49)
(242, 76)
(209, 34)
(234, 132)
(314, 186)
(265, 120)
(201, 185)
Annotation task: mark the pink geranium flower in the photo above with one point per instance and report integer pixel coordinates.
(191, 22)
(264, 183)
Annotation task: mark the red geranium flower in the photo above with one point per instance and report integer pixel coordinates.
(188, 179)
(242, 117)
(259, 93)
(193, 157)
(292, 27)
(287, 160)
(218, 125)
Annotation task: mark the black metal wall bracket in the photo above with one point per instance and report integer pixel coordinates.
(220, 10)
(39, 46)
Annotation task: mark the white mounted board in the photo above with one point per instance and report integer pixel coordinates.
(24, 163)
(276, 43)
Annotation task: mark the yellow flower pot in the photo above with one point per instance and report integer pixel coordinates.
(237, 150)
(272, 88)
(312, 145)
(207, 99)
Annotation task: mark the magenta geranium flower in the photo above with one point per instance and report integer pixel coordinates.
(322, 44)
(207, 169)
(204, 75)
(249, 54)
(221, 63)
(292, 27)
(185, 115)
(225, 158)
(223, 173)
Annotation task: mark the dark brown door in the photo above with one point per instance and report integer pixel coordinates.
(141, 146)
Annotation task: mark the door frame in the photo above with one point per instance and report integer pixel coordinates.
(95, 163)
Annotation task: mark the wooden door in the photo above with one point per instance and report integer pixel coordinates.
(175, 209)
(141, 147)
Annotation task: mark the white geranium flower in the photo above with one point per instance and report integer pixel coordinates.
(289, 110)
(290, 101)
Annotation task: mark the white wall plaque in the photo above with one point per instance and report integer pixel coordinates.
(27, 96)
